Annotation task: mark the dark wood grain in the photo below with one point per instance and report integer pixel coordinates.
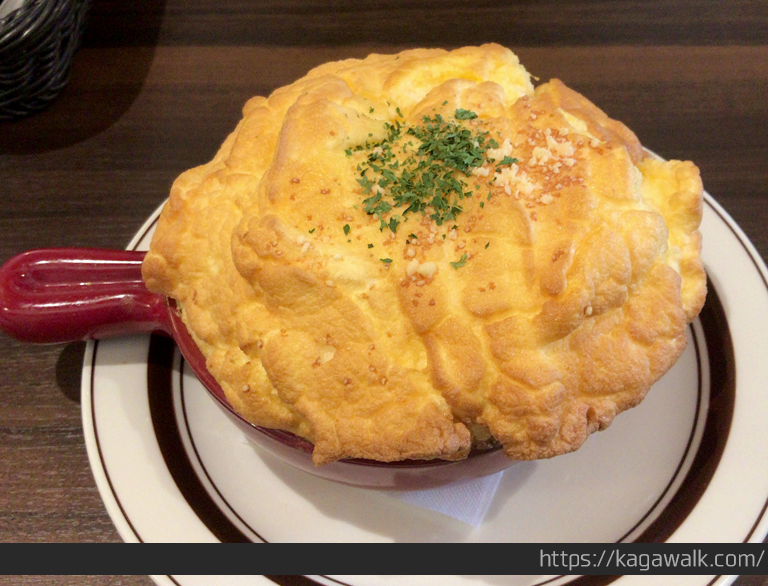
(157, 85)
(432, 22)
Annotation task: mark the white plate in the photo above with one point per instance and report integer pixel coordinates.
(172, 468)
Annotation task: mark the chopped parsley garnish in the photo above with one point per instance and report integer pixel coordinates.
(460, 263)
(428, 172)
(370, 245)
(312, 231)
(462, 114)
(506, 161)
(386, 260)
(346, 229)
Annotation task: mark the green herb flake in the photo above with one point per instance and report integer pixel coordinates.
(506, 161)
(312, 231)
(487, 244)
(346, 229)
(370, 110)
(460, 263)
(462, 114)
(387, 260)
(370, 245)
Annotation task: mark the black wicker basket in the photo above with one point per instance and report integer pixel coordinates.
(37, 44)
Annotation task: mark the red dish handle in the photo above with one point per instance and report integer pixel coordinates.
(67, 294)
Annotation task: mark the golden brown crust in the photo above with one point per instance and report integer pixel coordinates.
(572, 286)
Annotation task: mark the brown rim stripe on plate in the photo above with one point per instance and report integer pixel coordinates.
(765, 284)
(98, 445)
(689, 444)
(722, 397)
(166, 427)
(200, 460)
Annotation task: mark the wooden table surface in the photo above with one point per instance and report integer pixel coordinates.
(157, 85)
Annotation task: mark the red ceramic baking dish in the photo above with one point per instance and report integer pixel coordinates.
(60, 295)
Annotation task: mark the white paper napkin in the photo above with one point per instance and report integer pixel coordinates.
(467, 500)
